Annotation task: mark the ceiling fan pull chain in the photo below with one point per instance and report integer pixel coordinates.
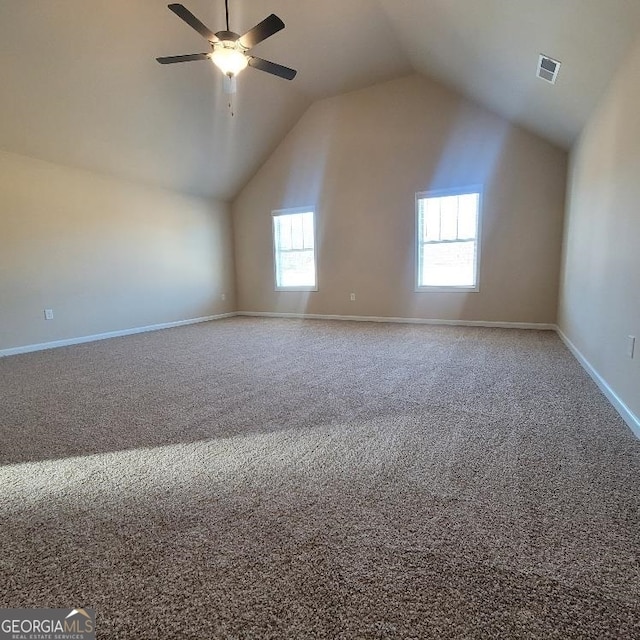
(232, 104)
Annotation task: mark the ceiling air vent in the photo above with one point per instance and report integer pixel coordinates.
(548, 68)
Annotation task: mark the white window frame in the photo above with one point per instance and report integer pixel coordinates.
(292, 211)
(439, 193)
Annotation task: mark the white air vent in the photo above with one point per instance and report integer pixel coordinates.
(548, 68)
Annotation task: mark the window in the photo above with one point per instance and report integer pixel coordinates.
(448, 250)
(294, 249)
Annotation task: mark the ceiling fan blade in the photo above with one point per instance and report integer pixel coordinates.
(272, 68)
(186, 58)
(261, 31)
(193, 22)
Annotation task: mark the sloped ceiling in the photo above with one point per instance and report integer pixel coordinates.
(488, 50)
(80, 84)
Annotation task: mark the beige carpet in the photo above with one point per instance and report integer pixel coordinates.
(279, 479)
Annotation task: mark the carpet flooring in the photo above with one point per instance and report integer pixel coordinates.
(281, 479)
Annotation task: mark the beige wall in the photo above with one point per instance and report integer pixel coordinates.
(600, 299)
(104, 254)
(360, 158)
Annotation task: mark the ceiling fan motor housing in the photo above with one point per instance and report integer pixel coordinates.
(228, 36)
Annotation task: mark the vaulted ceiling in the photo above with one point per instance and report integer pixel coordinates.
(80, 84)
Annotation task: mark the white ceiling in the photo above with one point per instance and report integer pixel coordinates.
(488, 50)
(80, 84)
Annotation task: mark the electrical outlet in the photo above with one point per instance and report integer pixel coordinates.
(631, 346)
(353, 297)
(48, 314)
(224, 297)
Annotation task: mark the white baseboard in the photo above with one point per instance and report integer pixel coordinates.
(265, 314)
(110, 334)
(454, 323)
(627, 415)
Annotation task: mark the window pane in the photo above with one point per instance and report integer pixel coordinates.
(449, 217)
(448, 264)
(283, 232)
(297, 238)
(307, 225)
(468, 215)
(297, 269)
(431, 218)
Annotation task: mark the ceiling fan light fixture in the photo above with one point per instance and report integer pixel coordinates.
(229, 58)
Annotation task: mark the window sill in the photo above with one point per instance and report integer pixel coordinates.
(447, 289)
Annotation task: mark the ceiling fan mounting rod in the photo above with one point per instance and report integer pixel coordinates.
(226, 8)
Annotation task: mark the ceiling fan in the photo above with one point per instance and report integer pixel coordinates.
(229, 51)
